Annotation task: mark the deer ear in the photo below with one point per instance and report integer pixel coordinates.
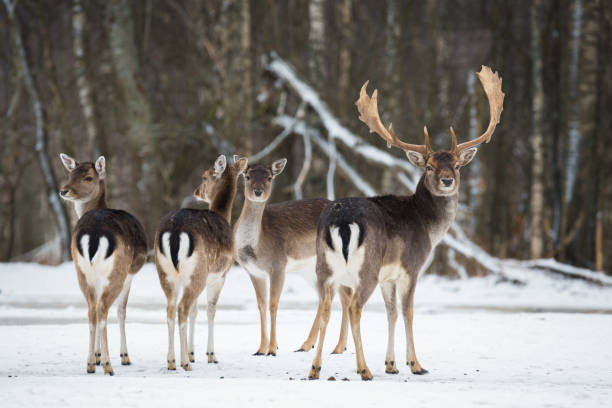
(220, 165)
(240, 164)
(278, 166)
(416, 158)
(101, 167)
(69, 163)
(466, 156)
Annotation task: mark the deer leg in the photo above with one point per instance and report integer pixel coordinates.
(190, 295)
(170, 317)
(193, 314)
(389, 295)
(360, 297)
(407, 297)
(325, 305)
(212, 293)
(345, 299)
(277, 280)
(314, 331)
(261, 291)
(97, 352)
(121, 312)
(91, 314)
(104, 303)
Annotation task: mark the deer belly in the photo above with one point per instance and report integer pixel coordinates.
(254, 270)
(306, 267)
(390, 272)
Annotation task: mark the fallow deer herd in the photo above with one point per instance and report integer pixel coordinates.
(349, 245)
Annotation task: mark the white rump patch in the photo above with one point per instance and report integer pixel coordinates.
(85, 247)
(186, 264)
(343, 272)
(183, 248)
(97, 270)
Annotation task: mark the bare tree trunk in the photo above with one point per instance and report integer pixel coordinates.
(316, 42)
(138, 113)
(237, 84)
(537, 165)
(574, 123)
(344, 59)
(599, 259)
(79, 21)
(58, 210)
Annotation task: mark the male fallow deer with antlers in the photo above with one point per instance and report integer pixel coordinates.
(273, 239)
(193, 250)
(108, 248)
(362, 242)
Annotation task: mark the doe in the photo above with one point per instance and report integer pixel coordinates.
(193, 250)
(108, 248)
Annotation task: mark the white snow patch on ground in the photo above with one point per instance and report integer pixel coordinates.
(474, 337)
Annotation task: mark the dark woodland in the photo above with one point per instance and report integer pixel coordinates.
(162, 87)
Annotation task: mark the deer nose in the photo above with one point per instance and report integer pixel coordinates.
(447, 181)
(258, 193)
(64, 192)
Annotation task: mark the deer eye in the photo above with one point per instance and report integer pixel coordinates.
(269, 178)
(88, 178)
(457, 167)
(247, 177)
(429, 168)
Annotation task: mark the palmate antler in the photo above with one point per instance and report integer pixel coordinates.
(368, 114)
(492, 84)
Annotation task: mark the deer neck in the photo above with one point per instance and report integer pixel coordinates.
(224, 199)
(438, 212)
(249, 224)
(99, 201)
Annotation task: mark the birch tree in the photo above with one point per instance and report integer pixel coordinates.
(40, 146)
(79, 23)
(537, 161)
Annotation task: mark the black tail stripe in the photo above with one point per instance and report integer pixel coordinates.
(174, 248)
(94, 243)
(345, 235)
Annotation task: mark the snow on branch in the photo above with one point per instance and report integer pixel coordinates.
(334, 129)
(300, 128)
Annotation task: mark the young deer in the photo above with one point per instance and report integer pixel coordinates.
(194, 249)
(108, 248)
(271, 240)
(365, 241)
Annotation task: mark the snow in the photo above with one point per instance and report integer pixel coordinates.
(485, 341)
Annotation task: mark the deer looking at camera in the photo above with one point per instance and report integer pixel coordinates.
(108, 248)
(362, 242)
(273, 239)
(193, 250)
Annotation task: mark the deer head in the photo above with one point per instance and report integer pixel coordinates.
(85, 180)
(442, 166)
(216, 178)
(258, 180)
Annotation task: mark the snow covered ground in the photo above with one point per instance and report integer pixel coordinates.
(485, 342)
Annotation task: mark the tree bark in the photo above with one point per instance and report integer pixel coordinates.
(316, 42)
(79, 22)
(537, 163)
(59, 212)
(138, 110)
(237, 83)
